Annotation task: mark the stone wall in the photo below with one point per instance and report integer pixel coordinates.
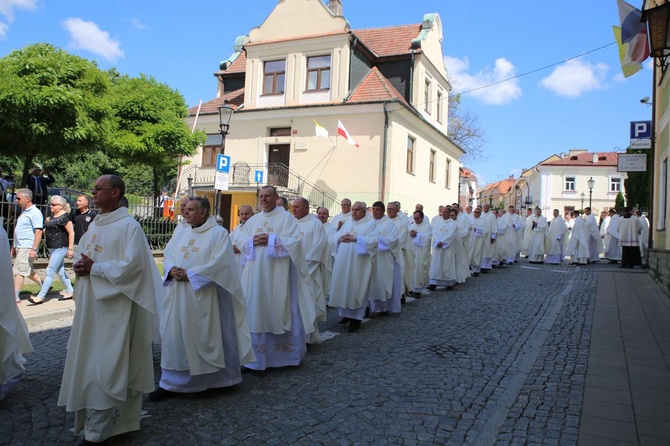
(659, 267)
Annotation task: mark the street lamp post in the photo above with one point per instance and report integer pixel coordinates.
(583, 196)
(225, 113)
(591, 183)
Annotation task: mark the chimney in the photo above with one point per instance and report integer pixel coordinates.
(595, 158)
(335, 7)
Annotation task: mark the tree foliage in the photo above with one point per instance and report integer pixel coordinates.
(619, 202)
(465, 131)
(51, 103)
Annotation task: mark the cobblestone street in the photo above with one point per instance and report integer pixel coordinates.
(499, 360)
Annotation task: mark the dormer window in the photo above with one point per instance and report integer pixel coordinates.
(274, 77)
(318, 73)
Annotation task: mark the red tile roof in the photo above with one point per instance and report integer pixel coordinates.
(390, 40)
(238, 66)
(466, 173)
(234, 98)
(605, 159)
(374, 88)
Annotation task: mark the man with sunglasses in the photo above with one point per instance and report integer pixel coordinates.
(109, 361)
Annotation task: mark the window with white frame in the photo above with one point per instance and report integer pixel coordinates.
(426, 96)
(569, 184)
(447, 180)
(318, 73)
(274, 77)
(615, 184)
(439, 106)
(431, 167)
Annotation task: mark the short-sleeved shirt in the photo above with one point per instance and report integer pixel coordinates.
(24, 231)
(81, 223)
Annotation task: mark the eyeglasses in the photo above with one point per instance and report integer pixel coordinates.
(99, 188)
(55, 204)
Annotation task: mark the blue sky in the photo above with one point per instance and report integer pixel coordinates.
(584, 103)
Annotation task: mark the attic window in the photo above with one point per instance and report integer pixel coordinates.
(602, 158)
(573, 158)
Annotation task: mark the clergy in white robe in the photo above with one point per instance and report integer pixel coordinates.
(556, 240)
(109, 362)
(604, 223)
(460, 253)
(644, 235)
(322, 215)
(443, 267)
(277, 286)
(612, 245)
(481, 231)
(527, 232)
(536, 248)
(204, 331)
(508, 243)
(421, 235)
(316, 249)
(387, 278)
(351, 282)
(438, 217)
(239, 235)
(489, 243)
(14, 340)
(343, 216)
(629, 231)
(595, 244)
(578, 247)
(401, 224)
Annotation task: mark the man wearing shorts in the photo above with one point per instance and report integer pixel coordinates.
(27, 237)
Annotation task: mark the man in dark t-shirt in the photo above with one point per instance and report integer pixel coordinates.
(82, 217)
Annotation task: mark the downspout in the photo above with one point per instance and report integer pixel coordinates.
(384, 149)
(411, 76)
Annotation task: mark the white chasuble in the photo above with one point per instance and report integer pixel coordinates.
(316, 248)
(351, 281)
(191, 331)
(421, 246)
(110, 359)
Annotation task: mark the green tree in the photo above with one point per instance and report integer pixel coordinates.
(51, 103)
(149, 127)
(619, 202)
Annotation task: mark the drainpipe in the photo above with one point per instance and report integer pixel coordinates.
(384, 149)
(411, 76)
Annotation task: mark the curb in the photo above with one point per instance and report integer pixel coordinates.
(48, 316)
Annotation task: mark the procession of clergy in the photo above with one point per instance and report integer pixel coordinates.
(253, 299)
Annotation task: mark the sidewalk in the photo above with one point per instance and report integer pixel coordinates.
(627, 394)
(50, 310)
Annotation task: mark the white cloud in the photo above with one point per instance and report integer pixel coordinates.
(7, 8)
(498, 94)
(575, 77)
(137, 23)
(87, 36)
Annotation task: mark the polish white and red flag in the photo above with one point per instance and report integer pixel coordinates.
(343, 132)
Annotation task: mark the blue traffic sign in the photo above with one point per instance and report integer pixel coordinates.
(222, 163)
(640, 129)
(258, 176)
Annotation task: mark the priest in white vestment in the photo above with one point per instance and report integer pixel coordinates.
(536, 248)
(387, 278)
(443, 268)
(277, 286)
(323, 215)
(355, 258)
(604, 223)
(239, 235)
(343, 216)
(316, 249)
(14, 340)
(204, 331)
(481, 231)
(438, 217)
(612, 245)
(595, 244)
(527, 232)
(402, 222)
(421, 235)
(489, 248)
(508, 225)
(629, 230)
(109, 361)
(557, 238)
(644, 235)
(462, 258)
(578, 247)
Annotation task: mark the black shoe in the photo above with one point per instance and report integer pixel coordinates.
(367, 313)
(403, 300)
(160, 394)
(450, 287)
(344, 320)
(416, 295)
(85, 441)
(354, 325)
(432, 287)
(476, 274)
